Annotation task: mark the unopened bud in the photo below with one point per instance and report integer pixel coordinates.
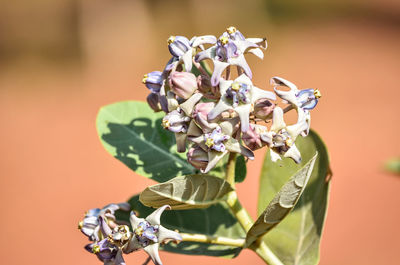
(183, 84)
(197, 157)
(154, 102)
(204, 83)
(263, 108)
(252, 137)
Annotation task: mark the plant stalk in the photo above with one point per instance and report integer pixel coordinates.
(226, 241)
(243, 216)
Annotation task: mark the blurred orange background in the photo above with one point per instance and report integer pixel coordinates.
(60, 61)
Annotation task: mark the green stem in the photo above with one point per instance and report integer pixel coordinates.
(226, 241)
(243, 216)
(230, 170)
(264, 252)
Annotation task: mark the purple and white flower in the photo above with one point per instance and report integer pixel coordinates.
(239, 95)
(148, 233)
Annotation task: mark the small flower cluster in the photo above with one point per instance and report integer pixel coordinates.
(213, 113)
(110, 240)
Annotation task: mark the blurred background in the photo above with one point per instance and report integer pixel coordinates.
(60, 61)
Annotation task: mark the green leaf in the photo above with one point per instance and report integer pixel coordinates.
(186, 192)
(216, 220)
(296, 239)
(282, 203)
(131, 132)
(240, 169)
(393, 165)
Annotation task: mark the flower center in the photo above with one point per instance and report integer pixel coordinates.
(238, 93)
(146, 233)
(96, 249)
(171, 39)
(166, 124)
(223, 40)
(317, 93)
(145, 77)
(215, 140)
(231, 30)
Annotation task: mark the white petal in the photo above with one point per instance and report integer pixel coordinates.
(187, 58)
(279, 81)
(244, 112)
(219, 67)
(207, 39)
(207, 54)
(166, 234)
(257, 52)
(257, 93)
(224, 85)
(188, 105)
(154, 217)
(228, 127)
(261, 42)
(274, 156)
(241, 62)
(134, 220)
(244, 79)
(296, 129)
(277, 120)
(293, 153)
(218, 109)
(213, 158)
(152, 250)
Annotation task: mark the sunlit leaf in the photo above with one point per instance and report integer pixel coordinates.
(393, 165)
(186, 192)
(282, 203)
(131, 132)
(296, 239)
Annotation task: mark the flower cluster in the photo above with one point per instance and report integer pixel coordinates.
(213, 113)
(110, 240)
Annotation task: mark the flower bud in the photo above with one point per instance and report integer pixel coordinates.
(154, 102)
(183, 84)
(178, 45)
(263, 108)
(252, 137)
(204, 83)
(197, 157)
(153, 81)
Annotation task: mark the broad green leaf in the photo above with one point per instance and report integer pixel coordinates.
(296, 239)
(216, 220)
(186, 192)
(282, 203)
(240, 169)
(393, 165)
(131, 132)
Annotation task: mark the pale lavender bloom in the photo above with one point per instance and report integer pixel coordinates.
(149, 233)
(153, 81)
(176, 121)
(216, 140)
(230, 50)
(108, 247)
(90, 225)
(302, 100)
(183, 50)
(239, 95)
(281, 138)
(106, 252)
